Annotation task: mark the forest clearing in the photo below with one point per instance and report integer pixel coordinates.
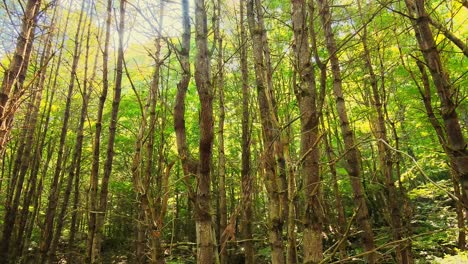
(233, 131)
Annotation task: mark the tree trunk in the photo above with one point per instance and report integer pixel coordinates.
(384, 153)
(102, 208)
(14, 76)
(340, 211)
(94, 177)
(200, 199)
(270, 130)
(309, 162)
(246, 174)
(47, 232)
(352, 155)
(205, 243)
(425, 92)
(218, 82)
(75, 166)
(457, 145)
(33, 138)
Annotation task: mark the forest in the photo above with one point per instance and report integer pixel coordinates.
(233, 131)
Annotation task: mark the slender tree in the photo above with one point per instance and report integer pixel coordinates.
(94, 177)
(13, 78)
(201, 167)
(218, 83)
(246, 174)
(205, 243)
(378, 125)
(270, 129)
(307, 97)
(446, 91)
(94, 245)
(352, 155)
(47, 232)
(75, 166)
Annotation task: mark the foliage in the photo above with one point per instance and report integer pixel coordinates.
(393, 49)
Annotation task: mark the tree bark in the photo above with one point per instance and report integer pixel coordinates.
(205, 243)
(218, 82)
(246, 174)
(47, 232)
(352, 155)
(447, 93)
(95, 245)
(270, 131)
(94, 176)
(306, 95)
(14, 76)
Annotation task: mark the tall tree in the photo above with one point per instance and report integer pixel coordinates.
(201, 167)
(446, 91)
(218, 83)
(75, 166)
(352, 154)
(309, 102)
(94, 177)
(48, 230)
(94, 245)
(270, 129)
(246, 174)
(13, 78)
(205, 245)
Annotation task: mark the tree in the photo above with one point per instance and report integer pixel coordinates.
(309, 101)
(14, 76)
(94, 243)
(201, 167)
(445, 90)
(270, 129)
(246, 173)
(352, 153)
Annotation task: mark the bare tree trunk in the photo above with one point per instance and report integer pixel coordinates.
(246, 174)
(75, 166)
(200, 199)
(33, 195)
(94, 177)
(14, 76)
(457, 145)
(340, 211)
(384, 153)
(33, 139)
(291, 254)
(102, 208)
(47, 232)
(270, 132)
(204, 229)
(309, 162)
(352, 155)
(218, 83)
(18, 176)
(23, 161)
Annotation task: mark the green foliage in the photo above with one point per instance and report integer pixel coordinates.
(460, 257)
(433, 221)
